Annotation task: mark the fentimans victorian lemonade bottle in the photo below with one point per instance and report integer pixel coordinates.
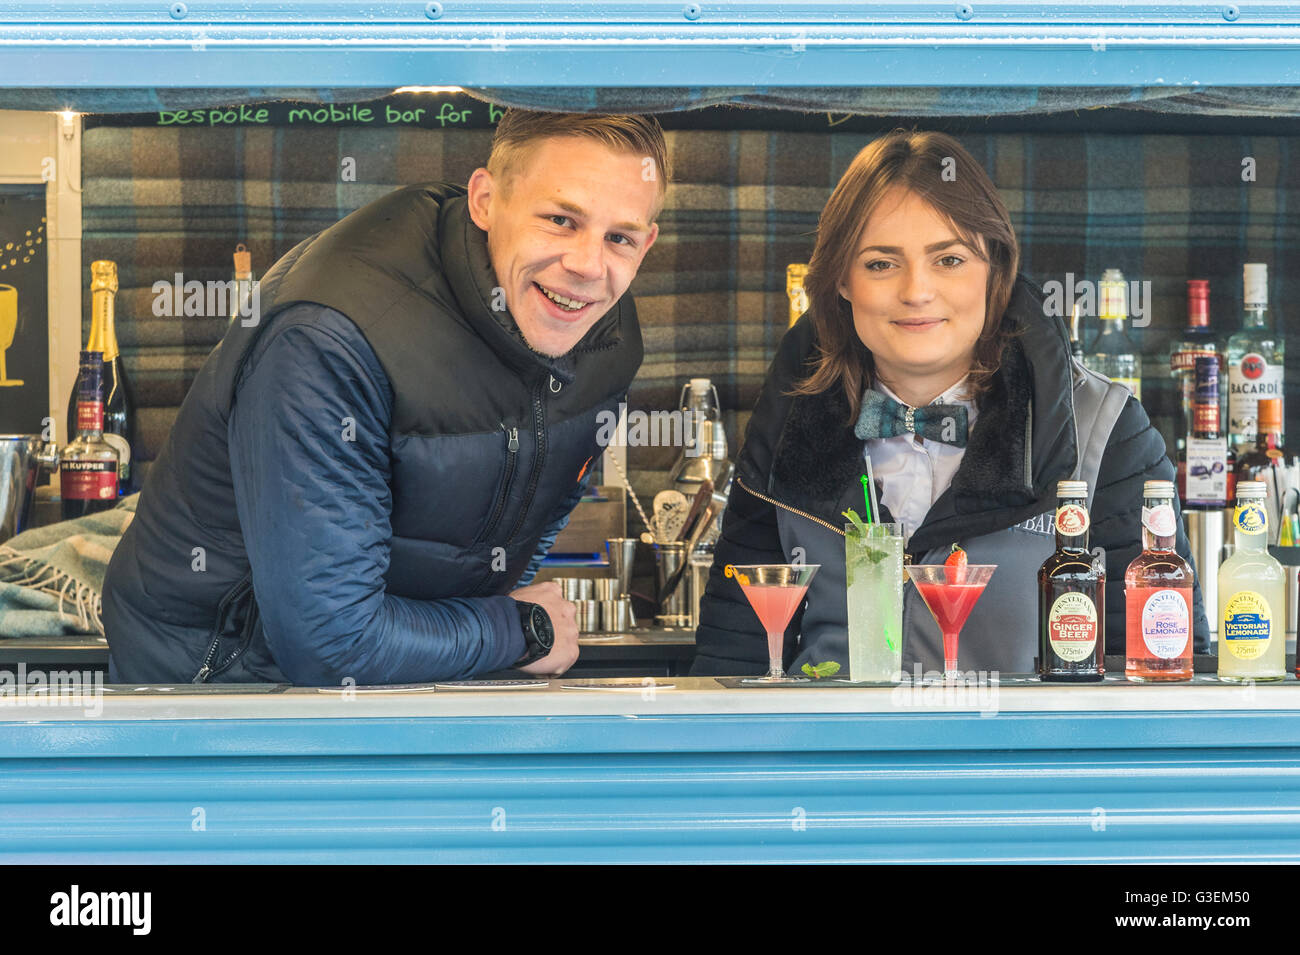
(1252, 636)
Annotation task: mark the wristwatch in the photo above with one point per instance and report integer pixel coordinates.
(539, 636)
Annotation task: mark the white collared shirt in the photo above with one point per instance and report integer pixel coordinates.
(915, 470)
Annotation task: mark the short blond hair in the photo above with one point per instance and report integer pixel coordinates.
(639, 135)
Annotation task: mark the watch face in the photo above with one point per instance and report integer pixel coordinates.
(542, 627)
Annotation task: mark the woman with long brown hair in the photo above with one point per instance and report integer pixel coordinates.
(924, 351)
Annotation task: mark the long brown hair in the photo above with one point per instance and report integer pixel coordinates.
(938, 169)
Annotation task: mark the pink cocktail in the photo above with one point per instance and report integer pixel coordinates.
(775, 591)
(951, 594)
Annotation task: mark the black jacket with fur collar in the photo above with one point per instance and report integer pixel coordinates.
(801, 452)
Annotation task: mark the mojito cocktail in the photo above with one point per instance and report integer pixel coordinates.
(873, 566)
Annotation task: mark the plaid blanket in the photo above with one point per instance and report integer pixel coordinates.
(51, 577)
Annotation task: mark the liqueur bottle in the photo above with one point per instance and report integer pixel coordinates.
(89, 465)
(1256, 356)
(119, 404)
(1204, 463)
(1252, 631)
(1158, 596)
(1071, 597)
(1113, 354)
(1256, 462)
(1197, 341)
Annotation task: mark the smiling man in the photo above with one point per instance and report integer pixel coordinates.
(362, 485)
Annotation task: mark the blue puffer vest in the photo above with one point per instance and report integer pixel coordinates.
(487, 436)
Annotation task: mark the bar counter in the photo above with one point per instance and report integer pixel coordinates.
(668, 769)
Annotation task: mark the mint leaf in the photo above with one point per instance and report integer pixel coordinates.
(829, 668)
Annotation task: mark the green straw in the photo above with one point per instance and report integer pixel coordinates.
(869, 494)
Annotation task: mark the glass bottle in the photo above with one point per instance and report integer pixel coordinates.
(1256, 355)
(1113, 354)
(1252, 630)
(1158, 596)
(88, 466)
(1071, 597)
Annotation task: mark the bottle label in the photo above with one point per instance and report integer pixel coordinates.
(1159, 520)
(90, 416)
(1249, 380)
(1072, 627)
(1072, 520)
(1250, 518)
(1207, 470)
(1247, 625)
(123, 449)
(88, 480)
(1166, 624)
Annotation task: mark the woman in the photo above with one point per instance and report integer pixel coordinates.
(914, 298)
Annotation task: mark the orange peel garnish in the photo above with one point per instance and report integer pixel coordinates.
(730, 571)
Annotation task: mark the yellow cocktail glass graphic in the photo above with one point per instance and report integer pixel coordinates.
(8, 326)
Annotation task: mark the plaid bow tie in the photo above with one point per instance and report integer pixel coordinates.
(882, 417)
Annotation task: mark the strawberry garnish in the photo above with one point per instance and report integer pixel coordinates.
(957, 561)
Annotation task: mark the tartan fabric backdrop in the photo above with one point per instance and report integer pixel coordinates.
(711, 293)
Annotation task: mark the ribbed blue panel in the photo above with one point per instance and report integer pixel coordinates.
(299, 43)
(1011, 787)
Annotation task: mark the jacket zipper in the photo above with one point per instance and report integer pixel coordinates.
(236, 594)
(792, 510)
(539, 424)
(907, 558)
(512, 455)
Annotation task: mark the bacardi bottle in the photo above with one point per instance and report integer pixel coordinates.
(89, 466)
(1252, 630)
(1158, 596)
(1071, 597)
(1256, 354)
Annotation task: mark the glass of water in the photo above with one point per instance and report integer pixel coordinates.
(873, 565)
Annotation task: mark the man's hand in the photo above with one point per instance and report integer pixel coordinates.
(564, 621)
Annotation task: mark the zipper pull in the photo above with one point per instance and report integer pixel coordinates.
(512, 435)
(202, 675)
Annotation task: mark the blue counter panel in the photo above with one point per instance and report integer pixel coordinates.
(1070, 787)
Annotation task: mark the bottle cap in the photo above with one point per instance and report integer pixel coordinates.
(103, 275)
(1270, 415)
(700, 385)
(1071, 489)
(1198, 303)
(1251, 490)
(1255, 283)
(1158, 489)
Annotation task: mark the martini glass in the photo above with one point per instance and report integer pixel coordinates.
(951, 594)
(775, 591)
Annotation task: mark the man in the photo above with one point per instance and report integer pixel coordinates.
(363, 483)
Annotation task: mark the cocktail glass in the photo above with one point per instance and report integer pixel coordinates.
(951, 594)
(775, 591)
(873, 575)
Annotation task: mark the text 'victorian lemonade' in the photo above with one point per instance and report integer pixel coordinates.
(1252, 635)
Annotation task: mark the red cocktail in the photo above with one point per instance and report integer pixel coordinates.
(775, 591)
(951, 593)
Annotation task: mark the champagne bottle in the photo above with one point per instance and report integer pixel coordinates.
(119, 404)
